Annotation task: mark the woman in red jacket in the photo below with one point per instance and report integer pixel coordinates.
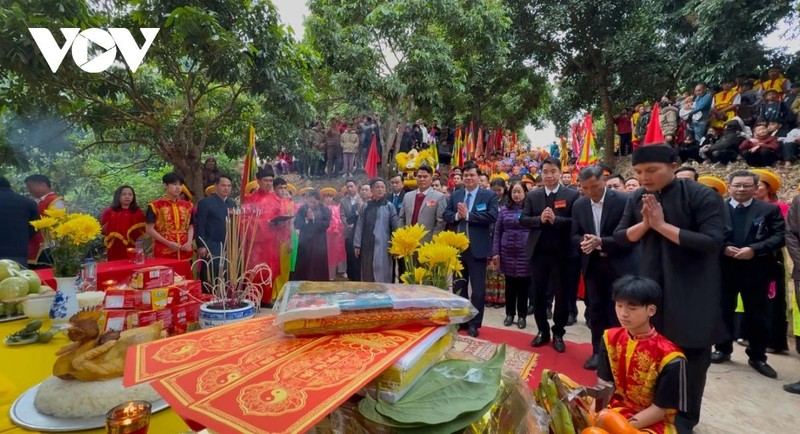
(123, 223)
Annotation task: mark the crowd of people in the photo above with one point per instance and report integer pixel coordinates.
(747, 118)
(541, 230)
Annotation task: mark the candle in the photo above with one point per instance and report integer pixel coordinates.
(108, 284)
(131, 254)
(129, 418)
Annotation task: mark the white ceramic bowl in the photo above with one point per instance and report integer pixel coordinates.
(90, 299)
(37, 308)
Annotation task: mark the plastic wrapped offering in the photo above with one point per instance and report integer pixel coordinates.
(318, 308)
(394, 382)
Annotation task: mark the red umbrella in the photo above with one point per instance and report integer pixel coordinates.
(371, 166)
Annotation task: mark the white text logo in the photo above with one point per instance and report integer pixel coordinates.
(79, 41)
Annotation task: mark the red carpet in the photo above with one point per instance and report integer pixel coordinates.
(569, 363)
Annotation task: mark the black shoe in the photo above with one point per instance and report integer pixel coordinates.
(792, 388)
(571, 320)
(462, 326)
(549, 313)
(763, 368)
(540, 340)
(558, 344)
(508, 321)
(591, 362)
(522, 323)
(719, 357)
(266, 305)
(530, 311)
(472, 331)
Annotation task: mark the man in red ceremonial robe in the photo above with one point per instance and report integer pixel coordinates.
(169, 221)
(271, 229)
(40, 189)
(648, 370)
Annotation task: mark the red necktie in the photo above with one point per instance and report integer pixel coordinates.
(417, 206)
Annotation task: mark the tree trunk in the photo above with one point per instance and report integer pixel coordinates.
(608, 112)
(186, 158)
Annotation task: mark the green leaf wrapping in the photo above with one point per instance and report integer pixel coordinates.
(450, 389)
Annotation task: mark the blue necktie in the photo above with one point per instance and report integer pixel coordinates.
(468, 201)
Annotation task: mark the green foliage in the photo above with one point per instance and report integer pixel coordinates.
(439, 59)
(212, 71)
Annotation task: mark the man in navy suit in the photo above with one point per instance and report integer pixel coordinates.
(473, 211)
(548, 213)
(594, 219)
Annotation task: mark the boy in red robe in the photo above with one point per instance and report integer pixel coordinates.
(647, 370)
(40, 189)
(169, 221)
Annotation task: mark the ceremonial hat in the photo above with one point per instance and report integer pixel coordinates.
(771, 178)
(653, 154)
(305, 190)
(292, 189)
(211, 189)
(251, 187)
(328, 191)
(265, 172)
(716, 183)
(186, 192)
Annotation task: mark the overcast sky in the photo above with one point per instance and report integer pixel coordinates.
(294, 11)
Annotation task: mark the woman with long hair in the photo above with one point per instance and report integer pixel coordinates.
(372, 234)
(123, 223)
(508, 248)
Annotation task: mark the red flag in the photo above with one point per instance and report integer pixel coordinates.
(654, 134)
(371, 166)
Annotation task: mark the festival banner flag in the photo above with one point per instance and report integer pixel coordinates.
(371, 165)
(457, 146)
(654, 134)
(513, 142)
(470, 142)
(563, 151)
(479, 150)
(250, 162)
(588, 155)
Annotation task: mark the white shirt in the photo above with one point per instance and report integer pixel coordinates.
(547, 192)
(597, 212)
(734, 203)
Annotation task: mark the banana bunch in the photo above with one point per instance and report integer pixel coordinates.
(562, 398)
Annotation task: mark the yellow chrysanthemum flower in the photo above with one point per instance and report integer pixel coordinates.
(56, 213)
(43, 223)
(406, 240)
(78, 229)
(433, 253)
(455, 266)
(414, 278)
(452, 239)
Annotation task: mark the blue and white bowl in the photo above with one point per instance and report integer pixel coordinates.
(213, 317)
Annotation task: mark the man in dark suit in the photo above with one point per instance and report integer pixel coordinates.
(15, 223)
(595, 216)
(756, 230)
(209, 223)
(349, 208)
(473, 211)
(548, 213)
(396, 195)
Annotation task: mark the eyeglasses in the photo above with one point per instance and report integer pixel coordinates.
(741, 186)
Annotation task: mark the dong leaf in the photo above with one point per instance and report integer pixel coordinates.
(450, 389)
(454, 426)
(367, 409)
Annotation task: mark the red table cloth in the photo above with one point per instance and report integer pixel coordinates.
(120, 271)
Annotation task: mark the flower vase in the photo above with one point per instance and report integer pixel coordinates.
(65, 303)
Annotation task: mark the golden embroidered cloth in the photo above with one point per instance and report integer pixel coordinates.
(249, 377)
